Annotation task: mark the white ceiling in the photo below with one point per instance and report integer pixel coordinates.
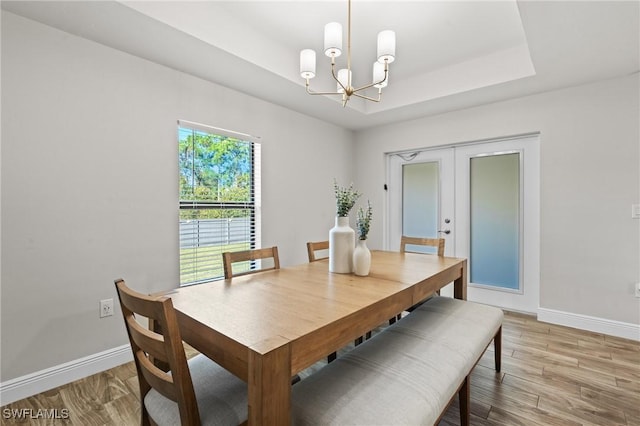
(450, 54)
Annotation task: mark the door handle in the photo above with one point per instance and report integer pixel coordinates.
(446, 231)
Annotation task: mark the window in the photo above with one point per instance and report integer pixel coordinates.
(219, 198)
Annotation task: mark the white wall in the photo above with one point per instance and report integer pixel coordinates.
(590, 162)
(90, 184)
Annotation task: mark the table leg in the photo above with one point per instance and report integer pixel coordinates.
(269, 387)
(460, 284)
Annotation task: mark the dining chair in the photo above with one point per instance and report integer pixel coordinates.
(405, 241)
(193, 392)
(229, 258)
(315, 246)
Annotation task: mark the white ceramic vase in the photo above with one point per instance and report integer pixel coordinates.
(341, 243)
(361, 259)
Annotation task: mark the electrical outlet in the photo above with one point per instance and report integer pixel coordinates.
(106, 308)
(637, 289)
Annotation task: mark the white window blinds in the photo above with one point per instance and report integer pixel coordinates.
(219, 198)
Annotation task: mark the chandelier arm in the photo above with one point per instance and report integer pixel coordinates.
(368, 98)
(311, 92)
(333, 73)
(370, 85)
(365, 87)
(386, 75)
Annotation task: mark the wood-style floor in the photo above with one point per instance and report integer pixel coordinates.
(551, 375)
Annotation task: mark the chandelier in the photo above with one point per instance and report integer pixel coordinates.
(343, 78)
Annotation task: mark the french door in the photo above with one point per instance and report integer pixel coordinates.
(483, 198)
(421, 197)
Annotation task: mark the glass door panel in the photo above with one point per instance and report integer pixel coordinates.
(495, 220)
(420, 198)
(420, 202)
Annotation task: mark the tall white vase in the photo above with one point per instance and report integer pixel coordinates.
(361, 259)
(342, 240)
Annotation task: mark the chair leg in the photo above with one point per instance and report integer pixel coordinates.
(332, 357)
(464, 397)
(358, 341)
(497, 346)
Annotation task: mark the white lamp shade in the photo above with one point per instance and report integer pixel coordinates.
(333, 39)
(386, 46)
(378, 75)
(344, 76)
(307, 63)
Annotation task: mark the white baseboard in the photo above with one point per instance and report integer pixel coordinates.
(40, 381)
(584, 322)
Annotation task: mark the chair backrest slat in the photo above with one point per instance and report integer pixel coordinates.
(156, 378)
(313, 247)
(229, 258)
(417, 241)
(152, 343)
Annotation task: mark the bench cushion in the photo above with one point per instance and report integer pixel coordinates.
(405, 375)
(467, 327)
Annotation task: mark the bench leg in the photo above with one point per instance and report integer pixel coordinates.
(497, 346)
(464, 398)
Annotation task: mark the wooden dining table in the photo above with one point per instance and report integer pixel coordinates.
(268, 326)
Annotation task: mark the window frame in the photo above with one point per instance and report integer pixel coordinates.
(253, 205)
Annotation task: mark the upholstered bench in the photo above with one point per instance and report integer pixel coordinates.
(405, 375)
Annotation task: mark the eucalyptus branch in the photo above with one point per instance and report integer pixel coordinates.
(345, 199)
(363, 221)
